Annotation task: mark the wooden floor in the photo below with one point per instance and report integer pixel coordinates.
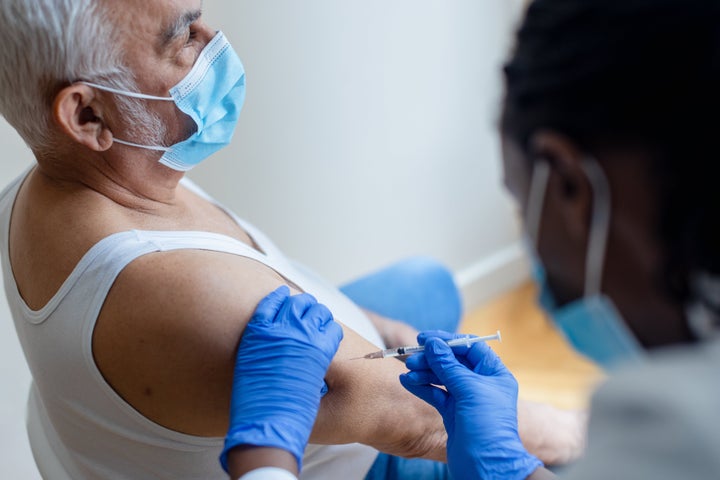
(546, 368)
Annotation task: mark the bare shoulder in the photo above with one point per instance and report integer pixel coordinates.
(168, 331)
(167, 334)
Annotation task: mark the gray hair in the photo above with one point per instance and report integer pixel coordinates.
(49, 44)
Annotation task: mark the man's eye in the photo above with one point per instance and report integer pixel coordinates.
(191, 36)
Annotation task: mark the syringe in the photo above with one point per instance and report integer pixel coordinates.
(409, 350)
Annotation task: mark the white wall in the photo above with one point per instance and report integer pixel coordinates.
(368, 135)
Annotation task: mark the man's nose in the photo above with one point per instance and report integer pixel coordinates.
(205, 33)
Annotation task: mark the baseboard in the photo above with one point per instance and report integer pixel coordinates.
(486, 279)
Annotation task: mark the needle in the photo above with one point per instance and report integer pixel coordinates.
(409, 350)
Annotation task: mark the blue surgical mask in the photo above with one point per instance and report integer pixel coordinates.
(592, 323)
(212, 94)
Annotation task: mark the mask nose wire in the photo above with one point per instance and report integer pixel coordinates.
(599, 226)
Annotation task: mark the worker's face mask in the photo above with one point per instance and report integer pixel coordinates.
(591, 324)
(212, 94)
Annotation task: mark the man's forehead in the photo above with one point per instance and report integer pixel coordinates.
(166, 6)
(177, 25)
(160, 18)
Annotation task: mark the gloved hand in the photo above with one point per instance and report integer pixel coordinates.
(479, 408)
(281, 362)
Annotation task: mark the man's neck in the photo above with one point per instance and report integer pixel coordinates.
(133, 181)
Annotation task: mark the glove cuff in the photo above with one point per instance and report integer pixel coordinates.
(282, 435)
(517, 469)
(525, 467)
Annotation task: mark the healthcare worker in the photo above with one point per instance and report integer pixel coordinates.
(609, 131)
(276, 394)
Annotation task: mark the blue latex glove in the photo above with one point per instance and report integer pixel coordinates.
(281, 362)
(479, 408)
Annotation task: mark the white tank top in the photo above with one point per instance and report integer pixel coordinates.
(79, 428)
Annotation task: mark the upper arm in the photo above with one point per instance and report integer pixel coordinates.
(166, 342)
(167, 334)
(366, 403)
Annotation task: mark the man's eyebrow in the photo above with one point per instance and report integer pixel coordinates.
(178, 28)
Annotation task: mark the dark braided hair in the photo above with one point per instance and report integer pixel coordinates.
(632, 72)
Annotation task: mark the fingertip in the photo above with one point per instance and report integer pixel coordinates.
(417, 361)
(279, 295)
(428, 393)
(282, 291)
(308, 297)
(442, 334)
(318, 314)
(437, 347)
(423, 377)
(441, 359)
(340, 333)
(484, 360)
(436, 351)
(408, 384)
(411, 379)
(336, 334)
(267, 309)
(482, 348)
(300, 303)
(427, 334)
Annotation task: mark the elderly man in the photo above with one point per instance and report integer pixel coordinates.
(129, 286)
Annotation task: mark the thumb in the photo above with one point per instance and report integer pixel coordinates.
(484, 361)
(268, 308)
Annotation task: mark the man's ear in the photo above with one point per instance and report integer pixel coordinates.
(79, 112)
(569, 191)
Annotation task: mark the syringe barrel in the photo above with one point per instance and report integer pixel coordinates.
(408, 350)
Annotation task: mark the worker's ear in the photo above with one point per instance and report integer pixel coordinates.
(79, 112)
(569, 192)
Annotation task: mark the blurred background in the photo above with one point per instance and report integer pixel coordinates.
(368, 135)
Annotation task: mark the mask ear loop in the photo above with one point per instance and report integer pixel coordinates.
(536, 200)
(142, 96)
(126, 94)
(155, 148)
(599, 226)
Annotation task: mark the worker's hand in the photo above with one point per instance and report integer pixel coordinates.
(479, 408)
(281, 362)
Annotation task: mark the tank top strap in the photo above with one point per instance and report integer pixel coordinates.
(101, 265)
(260, 239)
